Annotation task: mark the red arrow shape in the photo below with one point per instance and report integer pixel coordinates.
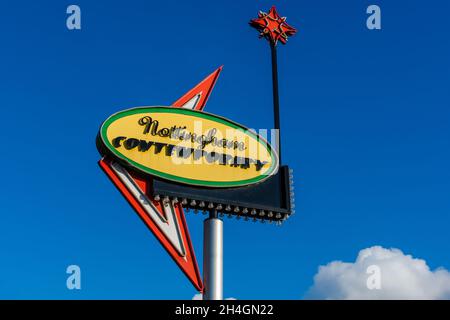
(197, 97)
(165, 220)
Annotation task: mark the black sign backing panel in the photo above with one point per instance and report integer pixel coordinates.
(268, 200)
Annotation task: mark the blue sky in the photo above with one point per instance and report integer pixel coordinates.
(365, 117)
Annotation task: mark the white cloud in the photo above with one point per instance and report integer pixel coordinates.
(401, 277)
(199, 296)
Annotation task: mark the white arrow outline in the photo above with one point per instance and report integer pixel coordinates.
(168, 225)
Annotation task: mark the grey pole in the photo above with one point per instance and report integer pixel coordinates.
(213, 257)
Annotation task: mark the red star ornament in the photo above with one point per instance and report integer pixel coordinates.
(272, 26)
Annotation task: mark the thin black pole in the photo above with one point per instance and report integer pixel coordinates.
(213, 214)
(276, 99)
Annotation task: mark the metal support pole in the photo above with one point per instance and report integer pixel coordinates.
(276, 99)
(213, 257)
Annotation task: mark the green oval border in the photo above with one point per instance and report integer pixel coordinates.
(200, 114)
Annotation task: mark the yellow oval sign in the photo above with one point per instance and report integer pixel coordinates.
(188, 146)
